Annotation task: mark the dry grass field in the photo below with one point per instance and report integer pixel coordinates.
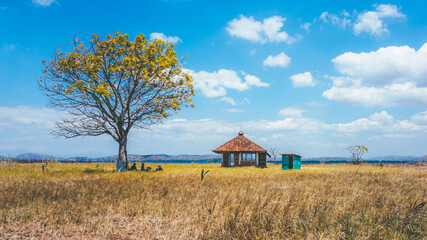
(89, 201)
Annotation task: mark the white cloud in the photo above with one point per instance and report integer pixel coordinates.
(255, 81)
(303, 80)
(420, 118)
(303, 125)
(280, 60)
(291, 112)
(6, 47)
(215, 84)
(380, 123)
(228, 100)
(394, 95)
(247, 100)
(306, 26)
(44, 3)
(163, 37)
(394, 64)
(235, 110)
(372, 23)
(269, 30)
(22, 117)
(24, 124)
(278, 136)
(382, 77)
(342, 20)
(343, 81)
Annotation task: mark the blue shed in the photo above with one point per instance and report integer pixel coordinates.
(291, 161)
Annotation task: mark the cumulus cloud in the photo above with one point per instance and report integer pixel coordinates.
(394, 64)
(163, 37)
(371, 22)
(280, 60)
(269, 30)
(303, 80)
(393, 95)
(381, 123)
(44, 3)
(214, 84)
(391, 76)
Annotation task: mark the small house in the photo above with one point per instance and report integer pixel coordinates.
(291, 161)
(240, 151)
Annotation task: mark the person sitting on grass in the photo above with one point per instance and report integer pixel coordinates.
(133, 168)
(159, 168)
(142, 167)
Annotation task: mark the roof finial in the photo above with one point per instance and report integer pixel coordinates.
(241, 133)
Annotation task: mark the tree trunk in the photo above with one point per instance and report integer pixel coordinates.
(122, 160)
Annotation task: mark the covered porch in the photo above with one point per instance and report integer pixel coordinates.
(243, 159)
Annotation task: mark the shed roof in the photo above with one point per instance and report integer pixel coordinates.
(239, 144)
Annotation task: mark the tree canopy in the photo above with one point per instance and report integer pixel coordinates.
(113, 85)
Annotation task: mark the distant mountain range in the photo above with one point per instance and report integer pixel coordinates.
(131, 157)
(202, 158)
(35, 156)
(152, 157)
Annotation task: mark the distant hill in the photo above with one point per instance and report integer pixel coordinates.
(373, 159)
(326, 159)
(35, 156)
(151, 157)
(399, 158)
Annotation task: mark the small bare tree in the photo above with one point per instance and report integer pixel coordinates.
(274, 151)
(357, 151)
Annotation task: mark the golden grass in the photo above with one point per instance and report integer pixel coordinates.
(78, 201)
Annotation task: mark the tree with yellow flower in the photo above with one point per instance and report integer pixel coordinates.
(356, 152)
(113, 85)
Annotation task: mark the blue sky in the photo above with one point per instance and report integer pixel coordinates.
(308, 77)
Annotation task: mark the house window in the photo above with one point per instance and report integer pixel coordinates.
(231, 160)
(248, 156)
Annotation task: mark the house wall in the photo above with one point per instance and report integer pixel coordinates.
(248, 163)
(262, 159)
(225, 157)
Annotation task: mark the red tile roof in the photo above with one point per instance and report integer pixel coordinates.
(239, 144)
